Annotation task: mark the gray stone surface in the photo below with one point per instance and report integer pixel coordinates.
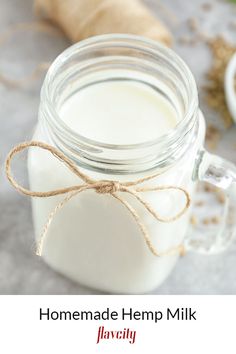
(21, 272)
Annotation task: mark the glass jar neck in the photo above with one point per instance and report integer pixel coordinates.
(120, 57)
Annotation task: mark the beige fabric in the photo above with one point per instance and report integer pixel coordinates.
(80, 19)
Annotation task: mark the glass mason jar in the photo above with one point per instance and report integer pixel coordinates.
(93, 239)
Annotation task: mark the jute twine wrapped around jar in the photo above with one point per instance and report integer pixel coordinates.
(80, 19)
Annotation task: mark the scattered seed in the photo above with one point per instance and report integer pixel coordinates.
(215, 220)
(199, 203)
(209, 188)
(206, 221)
(211, 220)
(206, 6)
(193, 220)
(222, 51)
(220, 196)
(192, 24)
(212, 136)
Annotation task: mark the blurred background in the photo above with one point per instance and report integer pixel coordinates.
(205, 37)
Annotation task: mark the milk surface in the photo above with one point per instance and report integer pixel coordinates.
(119, 112)
(93, 239)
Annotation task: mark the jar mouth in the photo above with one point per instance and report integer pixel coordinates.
(152, 54)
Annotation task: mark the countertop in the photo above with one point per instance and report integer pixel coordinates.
(21, 272)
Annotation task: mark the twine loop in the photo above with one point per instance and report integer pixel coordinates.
(112, 188)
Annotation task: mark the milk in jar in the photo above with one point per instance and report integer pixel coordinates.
(119, 125)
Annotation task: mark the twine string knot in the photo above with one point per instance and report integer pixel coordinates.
(112, 188)
(107, 187)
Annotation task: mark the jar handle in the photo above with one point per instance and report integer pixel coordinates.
(222, 174)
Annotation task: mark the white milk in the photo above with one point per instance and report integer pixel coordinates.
(93, 239)
(119, 113)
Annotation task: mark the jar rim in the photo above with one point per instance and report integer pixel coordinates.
(96, 155)
(140, 43)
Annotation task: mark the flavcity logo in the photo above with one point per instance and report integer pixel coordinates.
(125, 334)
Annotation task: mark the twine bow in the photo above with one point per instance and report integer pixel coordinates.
(113, 188)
